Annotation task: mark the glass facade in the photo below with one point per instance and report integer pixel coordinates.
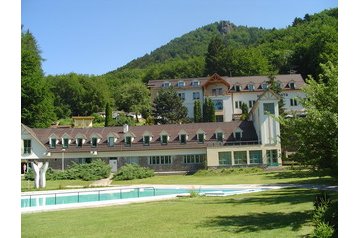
(194, 159)
(240, 157)
(255, 156)
(225, 158)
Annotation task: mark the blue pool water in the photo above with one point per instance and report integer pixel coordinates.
(106, 195)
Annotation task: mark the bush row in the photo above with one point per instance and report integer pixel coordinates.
(228, 171)
(133, 171)
(98, 169)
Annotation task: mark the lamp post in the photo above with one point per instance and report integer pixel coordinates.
(63, 159)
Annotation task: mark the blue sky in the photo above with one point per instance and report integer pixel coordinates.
(97, 36)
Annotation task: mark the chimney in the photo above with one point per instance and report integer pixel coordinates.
(125, 128)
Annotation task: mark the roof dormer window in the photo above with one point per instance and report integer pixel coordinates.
(238, 134)
(264, 86)
(65, 142)
(53, 142)
(195, 83)
(94, 142)
(110, 141)
(292, 85)
(166, 84)
(128, 141)
(237, 88)
(250, 87)
(181, 84)
(79, 142)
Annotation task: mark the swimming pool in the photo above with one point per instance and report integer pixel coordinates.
(36, 201)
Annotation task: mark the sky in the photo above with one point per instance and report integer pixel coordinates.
(98, 36)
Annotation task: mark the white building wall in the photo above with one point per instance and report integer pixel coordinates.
(287, 95)
(189, 101)
(37, 149)
(245, 98)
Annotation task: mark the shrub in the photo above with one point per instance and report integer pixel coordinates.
(325, 216)
(98, 169)
(227, 171)
(133, 171)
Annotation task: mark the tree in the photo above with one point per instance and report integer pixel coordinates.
(208, 111)
(276, 88)
(244, 112)
(197, 111)
(169, 108)
(315, 136)
(37, 101)
(133, 97)
(213, 56)
(108, 114)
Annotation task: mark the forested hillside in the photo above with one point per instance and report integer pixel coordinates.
(219, 47)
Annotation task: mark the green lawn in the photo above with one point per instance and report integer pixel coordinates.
(269, 177)
(275, 213)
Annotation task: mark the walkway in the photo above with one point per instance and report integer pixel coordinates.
(102, 182)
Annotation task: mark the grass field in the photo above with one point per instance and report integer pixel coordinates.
(265, 177)
(275, 213)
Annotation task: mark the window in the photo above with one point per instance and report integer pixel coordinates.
(164, 159)
(240, 104)
(110, 141)
(182, 138)
(236, 104)
(194, 159)
(196, 95)
(166, 85)
(264, 86)
(181, 84)
(218, 105)
(164, 139)
(237, 88)
(293, 102)
(272, 156)
(79, 142)
(65, 143)
(219, 118)
(53, 143)
(182, 96)
(251, 103)
(224, 158)
(128, 141)
(94, 142)
(195, 83)
(255, 157)
(238, 135)
(27, 146)
(291, 85)
(146, 140)
(219, 136)
(240, 157)
(250, 87)
(217, 91)
(201, 138)
(269, 108)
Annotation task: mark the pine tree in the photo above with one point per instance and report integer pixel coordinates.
(169, 108)
(37, 101)
(244, 112)
(197, 111)
(108, 113)
(213, 56)
(211, 111)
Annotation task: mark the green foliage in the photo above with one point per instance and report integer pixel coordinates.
(208, 111)
(133, 97)
(133, 171)
(227, 171)
(315, 137)
(169, 108)
(122, 119)
(37, 107)
(244, 112)
(95, 170)
(108, 116)
(325, 216)
(197, 111)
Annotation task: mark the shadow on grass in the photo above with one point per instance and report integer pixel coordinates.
(287, 195)
(260, 221)
(303, 177)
